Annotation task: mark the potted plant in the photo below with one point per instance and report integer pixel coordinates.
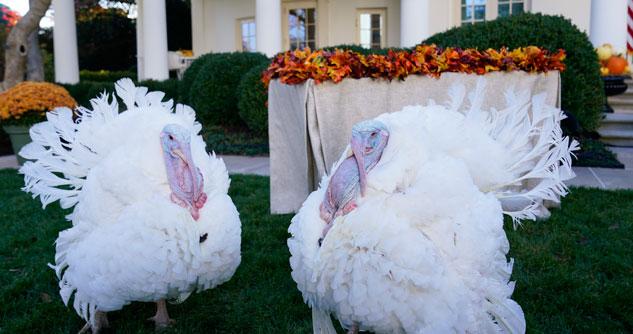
(614, 69)
(26, 104)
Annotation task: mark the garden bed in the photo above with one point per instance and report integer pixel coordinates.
(593, 153)
(573, 272)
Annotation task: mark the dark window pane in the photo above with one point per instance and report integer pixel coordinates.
(375, 21)
(517, 8)
(466, 13)
(464, 2)
(375, 36)
(480, 12)
(502, 1)
(311, 15)
(504, 10)
(311, 31)
(312, 45)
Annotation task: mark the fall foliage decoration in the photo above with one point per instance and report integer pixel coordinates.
(294, 67)
(27, 102)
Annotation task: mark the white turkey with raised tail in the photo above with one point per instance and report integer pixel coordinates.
(152, 220)
(406, 235)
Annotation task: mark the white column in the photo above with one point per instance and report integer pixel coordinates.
(414, 18)
(155, 40)
(140, 62)
(65, 42)
(608, 23)
(268, 26)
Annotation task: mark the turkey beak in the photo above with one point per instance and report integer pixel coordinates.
(358, 149)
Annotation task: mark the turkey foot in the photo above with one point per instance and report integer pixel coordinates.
(354, 329)
(101, 321)
(161, 318)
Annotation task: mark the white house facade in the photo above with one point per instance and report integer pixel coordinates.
(271, 26)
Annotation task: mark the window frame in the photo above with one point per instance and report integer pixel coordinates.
(510, 3)
(492, 7)
(383, 29)
(239, 35)
(286, 8)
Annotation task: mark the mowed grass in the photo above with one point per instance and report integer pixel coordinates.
(574, 272)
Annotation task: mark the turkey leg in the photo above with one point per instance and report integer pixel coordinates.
(354, 329)
(101, 322)
(161, 318)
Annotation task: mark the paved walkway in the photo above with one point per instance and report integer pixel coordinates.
(604, 178)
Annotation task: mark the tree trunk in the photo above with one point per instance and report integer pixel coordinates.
(17, 43)
(34, 63)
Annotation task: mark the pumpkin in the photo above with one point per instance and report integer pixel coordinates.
(617, 65)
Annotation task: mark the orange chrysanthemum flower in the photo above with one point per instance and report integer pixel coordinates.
(32, 100)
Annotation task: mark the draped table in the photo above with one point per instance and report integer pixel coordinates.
(309, 124)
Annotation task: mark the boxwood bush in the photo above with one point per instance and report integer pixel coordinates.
(582, 92)
(105, 75)
(190, 76)
(214, 91)
(252, 97)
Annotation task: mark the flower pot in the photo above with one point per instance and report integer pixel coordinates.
(19, 135)
(613, 85)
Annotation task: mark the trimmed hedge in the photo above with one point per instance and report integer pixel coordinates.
(84, 91)
(252, 97)
(214, 91)
(582, 91)
(105, 76)
(190, 76)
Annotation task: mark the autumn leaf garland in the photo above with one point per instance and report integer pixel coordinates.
(294, 67)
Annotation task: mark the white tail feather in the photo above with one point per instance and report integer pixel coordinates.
(64, 148)
(529, 129)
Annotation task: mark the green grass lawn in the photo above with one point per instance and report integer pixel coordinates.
(574, 272)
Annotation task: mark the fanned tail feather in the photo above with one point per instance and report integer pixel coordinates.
(64, 149)
(540, 156)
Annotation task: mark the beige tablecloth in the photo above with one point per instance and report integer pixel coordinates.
(309, 125)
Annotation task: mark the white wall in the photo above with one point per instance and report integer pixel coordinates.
(579, 11)
(214, 24)
(215, 29)
(342, 20)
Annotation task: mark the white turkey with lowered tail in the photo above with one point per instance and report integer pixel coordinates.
(151, 221)
(406, 235)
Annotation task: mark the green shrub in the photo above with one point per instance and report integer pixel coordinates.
(104, 75)
(190, 76)
(251, 102)
(214, 92)
(582, 92)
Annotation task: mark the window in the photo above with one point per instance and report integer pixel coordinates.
(473, 11)
(510, 7)
(371, 28)
(247, 34)
(302, 28)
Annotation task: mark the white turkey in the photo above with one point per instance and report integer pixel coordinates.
(406, 234)
(151, 221)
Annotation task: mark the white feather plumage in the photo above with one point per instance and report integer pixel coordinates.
(425, 250)
(129, 241)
